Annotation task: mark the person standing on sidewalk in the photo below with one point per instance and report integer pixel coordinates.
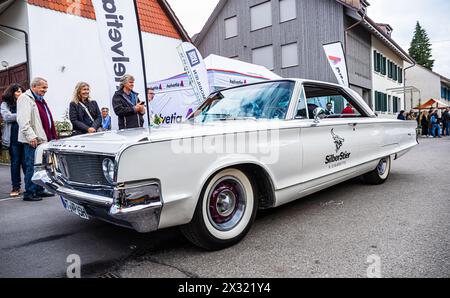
(106, 119)
(36, 127)
(84, 113)
(435, 126)
(127, 106)
(446, 122)
(424, 123)
(10, 135)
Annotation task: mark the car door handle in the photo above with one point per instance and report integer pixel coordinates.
(353, 124)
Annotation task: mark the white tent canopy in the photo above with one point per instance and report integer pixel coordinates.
(175, 98)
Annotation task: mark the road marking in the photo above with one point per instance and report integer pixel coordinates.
(10, 199)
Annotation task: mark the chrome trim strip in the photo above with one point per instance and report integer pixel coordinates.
(42, 178)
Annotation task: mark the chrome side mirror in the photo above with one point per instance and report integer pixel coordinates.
(319, 114)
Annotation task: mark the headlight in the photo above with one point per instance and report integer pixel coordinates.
(109, 170)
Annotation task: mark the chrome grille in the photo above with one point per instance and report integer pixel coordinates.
(81, 168)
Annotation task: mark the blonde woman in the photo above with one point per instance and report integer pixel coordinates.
(84, 113)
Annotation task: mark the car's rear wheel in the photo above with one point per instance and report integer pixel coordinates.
(225, 211)
(380, 174)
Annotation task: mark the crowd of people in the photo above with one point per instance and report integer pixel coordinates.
(28, 122)
(430, 123)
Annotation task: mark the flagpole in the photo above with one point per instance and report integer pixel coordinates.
(143, 61)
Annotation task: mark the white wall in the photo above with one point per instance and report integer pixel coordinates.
(381, 83)
(426, 81)
(161, 57)
(66, 49)
(12, 49)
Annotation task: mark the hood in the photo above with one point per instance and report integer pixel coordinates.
(112, 142)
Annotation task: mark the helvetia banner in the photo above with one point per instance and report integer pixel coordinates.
(336, 58)
(119, 36)
(196, 69)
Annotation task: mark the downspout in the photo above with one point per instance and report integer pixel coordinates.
(350, 28)
(26, 48)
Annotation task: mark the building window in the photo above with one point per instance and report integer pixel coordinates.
(375, 60)
(289, 55)
(263, 56)
(396, 105)
(379, 63)
(395, 72)
(383, 66)
(400, 75)
(390, 64)
(381, 102)
(231, 27)
(288, 10)
(261, 16)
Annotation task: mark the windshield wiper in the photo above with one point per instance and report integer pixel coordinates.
(237, 118)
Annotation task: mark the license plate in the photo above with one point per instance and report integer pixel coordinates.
(74, 208)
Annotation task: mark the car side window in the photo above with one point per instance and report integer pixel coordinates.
(335, 103)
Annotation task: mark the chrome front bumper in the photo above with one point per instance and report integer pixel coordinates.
(135, 205)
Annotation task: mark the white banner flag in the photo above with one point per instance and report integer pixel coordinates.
(120, 38)
(336, 58)
(196, 69)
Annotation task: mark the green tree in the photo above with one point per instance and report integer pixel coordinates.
(420, 49)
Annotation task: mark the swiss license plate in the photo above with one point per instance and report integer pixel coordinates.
(74, 208)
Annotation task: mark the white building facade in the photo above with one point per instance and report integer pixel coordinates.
(388, 76)
(65, 48)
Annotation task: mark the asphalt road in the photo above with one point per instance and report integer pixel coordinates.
(338, 232)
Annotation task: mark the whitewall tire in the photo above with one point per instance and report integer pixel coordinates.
(225, 211)
(380, 174)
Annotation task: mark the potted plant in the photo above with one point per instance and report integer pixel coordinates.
(64, 128)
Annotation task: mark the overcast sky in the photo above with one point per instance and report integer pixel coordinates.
(434, 16)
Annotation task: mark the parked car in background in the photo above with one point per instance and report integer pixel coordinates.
(283, 146)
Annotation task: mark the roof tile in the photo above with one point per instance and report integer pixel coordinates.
(152, 17)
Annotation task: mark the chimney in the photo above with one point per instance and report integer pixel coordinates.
(386, 28)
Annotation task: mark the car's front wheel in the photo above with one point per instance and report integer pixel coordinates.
(380, 174)
(225, 212)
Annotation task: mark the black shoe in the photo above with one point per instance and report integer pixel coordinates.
(32, 199)
(44, 194)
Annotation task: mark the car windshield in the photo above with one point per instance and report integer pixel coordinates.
(260, 101)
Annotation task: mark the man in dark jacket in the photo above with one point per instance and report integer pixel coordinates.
(127, 106)
(446, 122)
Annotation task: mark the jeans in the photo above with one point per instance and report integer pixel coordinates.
(447, 128)
(16, 154)
(434, 128)
(31, 189)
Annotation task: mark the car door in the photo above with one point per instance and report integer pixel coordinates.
(330, 145)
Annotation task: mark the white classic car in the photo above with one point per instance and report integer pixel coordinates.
(252, 147)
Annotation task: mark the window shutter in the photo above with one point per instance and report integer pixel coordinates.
(375, 60)
(390, 70)
(378, 62)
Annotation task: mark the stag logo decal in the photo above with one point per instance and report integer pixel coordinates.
(337, 160)
(338, 141)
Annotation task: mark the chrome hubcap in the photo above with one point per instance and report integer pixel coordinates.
(382, 167)
(226, 203)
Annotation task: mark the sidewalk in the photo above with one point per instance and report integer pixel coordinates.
(5, 182)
